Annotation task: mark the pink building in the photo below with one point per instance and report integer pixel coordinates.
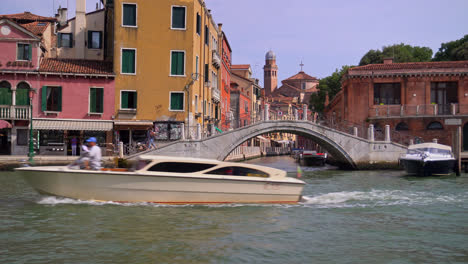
(71, 98)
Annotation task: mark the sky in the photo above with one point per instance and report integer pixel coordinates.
(324, 35)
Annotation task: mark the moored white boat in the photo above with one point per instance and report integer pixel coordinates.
(427, 159)
(313, 158)
(170, 180)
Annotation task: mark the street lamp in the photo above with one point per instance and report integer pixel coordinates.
(32, 91)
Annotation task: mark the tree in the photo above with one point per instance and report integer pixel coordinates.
(399, 53)
(330, 85)
(453, 50)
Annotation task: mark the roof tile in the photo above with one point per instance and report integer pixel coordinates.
(76, 66)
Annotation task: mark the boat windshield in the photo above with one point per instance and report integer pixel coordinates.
(430, 150)
(238, 171)
(180, 167)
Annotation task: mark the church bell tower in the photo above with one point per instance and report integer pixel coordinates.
(270, 70)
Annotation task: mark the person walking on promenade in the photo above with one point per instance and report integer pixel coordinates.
(151, 135)
(74, 143)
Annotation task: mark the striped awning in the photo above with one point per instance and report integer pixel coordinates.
(63, 124)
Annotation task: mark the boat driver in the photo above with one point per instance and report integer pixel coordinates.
(93, 160)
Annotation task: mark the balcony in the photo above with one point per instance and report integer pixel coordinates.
(15, 112)
(216, 59)
(396, 111)
(215, 95)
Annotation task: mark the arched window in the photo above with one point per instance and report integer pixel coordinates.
(5, 93)
(402, 126)
(435, 126)
(22, 93)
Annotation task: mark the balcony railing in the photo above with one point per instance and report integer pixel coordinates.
(216, 59)
(215, 95)
(383, 111)
(15, 112)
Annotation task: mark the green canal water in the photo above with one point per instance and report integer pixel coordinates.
(348, 217)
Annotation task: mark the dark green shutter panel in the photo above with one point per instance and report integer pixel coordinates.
(198, 24)
(124, 100)
(128, 61)
(44, 98)
(174, 63)
(125, 61)
(173, 102)
(134, 100)
(132, 61)
(180, 64)
(5, 96)
(30, 52)
(207, 78)
(59, 99)
(100, 39)
(90, 39)
(22, 96)
(92, 100)
(100, 100)
(59, 40)
(178, 17)
(129, 15)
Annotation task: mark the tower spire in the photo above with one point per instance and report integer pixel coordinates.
(302, 65)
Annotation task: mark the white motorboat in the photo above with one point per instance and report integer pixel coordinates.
(427, 159)
(170, 180)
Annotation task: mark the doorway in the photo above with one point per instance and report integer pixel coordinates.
(465, 137)
(5, 145)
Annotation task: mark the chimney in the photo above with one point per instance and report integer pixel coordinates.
(388, 60)
(220, 27)
(62, 16)
(80, 29)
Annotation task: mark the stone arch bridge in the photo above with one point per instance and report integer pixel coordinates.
(349, 150)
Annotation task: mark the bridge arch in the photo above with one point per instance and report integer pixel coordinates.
(332, 147)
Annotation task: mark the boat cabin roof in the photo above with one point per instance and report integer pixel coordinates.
(430, 145)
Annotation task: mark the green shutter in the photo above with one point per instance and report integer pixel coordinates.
(22, 96)
(59, 40)
(92, 100)
(5, 96)
(174, 63)
(128, 61)
(134, 100)
(59, 99)
(100, 100)
(30, 52)
(124, 100)
(129, 15)
(178, 17)
(44, 98)
(90, 39)
(177, 101)
(180, 64)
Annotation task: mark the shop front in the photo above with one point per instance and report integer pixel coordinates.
(133, 134)
(66, 137)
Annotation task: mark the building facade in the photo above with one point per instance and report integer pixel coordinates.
(64, 98)
(167, 66)
(226, 114)
(421, 101)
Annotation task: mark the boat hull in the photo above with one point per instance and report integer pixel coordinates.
(128, 187)
(428, 168)
(313, 161)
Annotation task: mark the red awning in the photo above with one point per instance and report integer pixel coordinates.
(4, 124)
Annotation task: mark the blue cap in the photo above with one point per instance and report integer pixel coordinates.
(91, 139)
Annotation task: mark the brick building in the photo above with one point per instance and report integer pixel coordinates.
(420, 100)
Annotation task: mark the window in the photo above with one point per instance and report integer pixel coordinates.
(196, 103)
(94, 39)
(178, 17)
(196, 66)
(128, 100)
(402, 126)
(5, 93)
(177, 101)
(387, 93)
(64, 40)
(238, 171)
(246, 106)
(209, 109)
(207, 78)
(435, 126)
(22, 137)
(128, 61)
(24, 52)
(177, 63)
(303, 86)
(214, 80)
(198, 24)
(168, 130)
(96, 100)
(52, 98)
(443, 94)
(207, 36)
(180, 167)
(22, 94)
(129, 14)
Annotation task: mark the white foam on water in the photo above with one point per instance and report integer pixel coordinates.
(380, 198)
